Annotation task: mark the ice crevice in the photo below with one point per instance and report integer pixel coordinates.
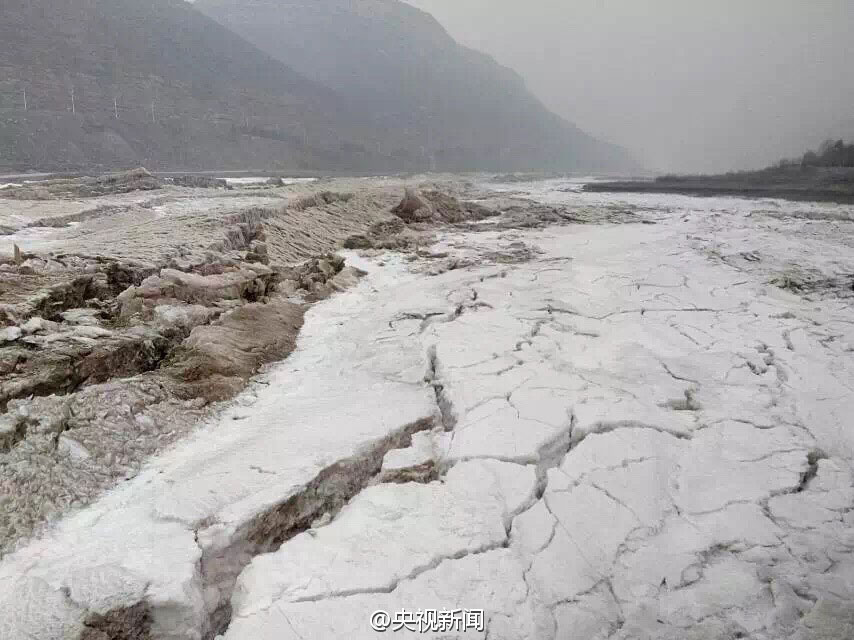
(627, 448)
(159, 556)
(433, 378)
(415, 573)
(322, 497)
(551, 452)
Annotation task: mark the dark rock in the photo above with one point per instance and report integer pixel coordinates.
(200, 182)
(412, 208)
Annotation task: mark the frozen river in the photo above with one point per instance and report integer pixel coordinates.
(642, 431)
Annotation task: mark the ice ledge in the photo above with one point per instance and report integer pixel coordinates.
(160, 554)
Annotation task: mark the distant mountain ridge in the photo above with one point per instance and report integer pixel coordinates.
(111, 83)
(357, 86)
(397, 62)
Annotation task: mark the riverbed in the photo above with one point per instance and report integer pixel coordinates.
(635, 430)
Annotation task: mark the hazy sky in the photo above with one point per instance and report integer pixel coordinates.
(683, 84)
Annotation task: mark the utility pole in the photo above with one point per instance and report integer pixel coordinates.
(25, 98)
(116, 107)
(73, 109)
(152, 114)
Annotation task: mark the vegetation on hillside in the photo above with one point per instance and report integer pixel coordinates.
(831, 153)
(824, 174)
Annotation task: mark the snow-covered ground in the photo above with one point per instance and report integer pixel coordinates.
(632, 435)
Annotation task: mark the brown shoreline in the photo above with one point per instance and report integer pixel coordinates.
(710, 191)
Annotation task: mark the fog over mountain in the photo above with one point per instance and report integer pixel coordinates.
(442, 105)
(353, 86)
(685, 84)
(119, 83)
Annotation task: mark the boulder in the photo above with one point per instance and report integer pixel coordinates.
(10, 334)
(412, 208)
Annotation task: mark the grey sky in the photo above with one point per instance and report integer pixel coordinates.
(684, 84)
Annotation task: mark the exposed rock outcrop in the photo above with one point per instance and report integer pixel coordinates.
(437, 206)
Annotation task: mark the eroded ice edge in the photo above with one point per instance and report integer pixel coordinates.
(625, 437)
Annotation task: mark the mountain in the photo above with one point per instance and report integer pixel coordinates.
(354, 86)
(112, 83)
(441, 102)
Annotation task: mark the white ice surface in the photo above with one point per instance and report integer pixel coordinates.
(647, 441)
(328, 402)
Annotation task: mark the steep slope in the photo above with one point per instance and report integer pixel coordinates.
(441, 103)
(112, 83)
